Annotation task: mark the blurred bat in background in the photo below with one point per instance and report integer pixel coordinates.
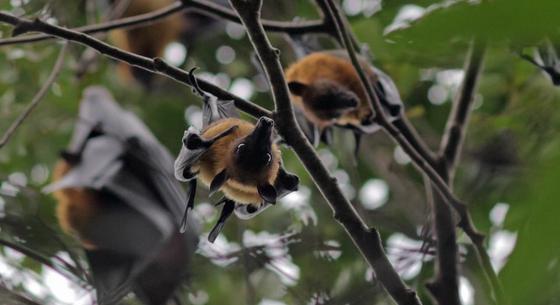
(152, 39)
(116, 192)
(327, 92)
(236, 157)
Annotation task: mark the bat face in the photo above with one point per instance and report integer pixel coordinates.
(324, 98)
(252, 155)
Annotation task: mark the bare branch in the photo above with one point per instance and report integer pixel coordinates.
(367, 240)
(204, 7)
(156, 65)
(37, 98)
(452, 142)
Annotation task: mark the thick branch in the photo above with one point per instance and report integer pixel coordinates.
(202, 6)
(37, 98)
(153, 65)
(366, 240)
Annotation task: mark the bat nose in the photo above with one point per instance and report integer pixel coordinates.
(265, 122)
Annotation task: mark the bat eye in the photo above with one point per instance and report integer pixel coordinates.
(240, 146)
(268, 158)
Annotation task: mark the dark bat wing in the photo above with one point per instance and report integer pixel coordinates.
(309, 130)
(118, 156)
(187, 157)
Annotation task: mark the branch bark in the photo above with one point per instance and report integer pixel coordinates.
(37, 98)
(367, 240)
(204, 7)
(436, 179)
(451, 146)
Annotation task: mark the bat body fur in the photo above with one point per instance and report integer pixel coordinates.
(242, 185)
(324, 66)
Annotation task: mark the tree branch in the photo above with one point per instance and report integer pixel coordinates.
(204, 7)
(37, 98)
(156, 65)
(452, 142)
(465, 218)
(366, 240)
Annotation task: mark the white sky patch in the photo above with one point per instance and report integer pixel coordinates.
(498, 213)
(13, 255)
(39, 174)
(438, 94)
(271, 302)
(501, 244)
(466, 291)
(8, 189)
(60, 287)
(175, 53)
(220, 247)
(298, 203)
(242, 87)
(396, 244)
(406, 14)
(287, 271)
(400, 156)
(451, 77)
(33, 286)
(199, 297)
(374, 194)
(18, 179)
(330, 161)
(235, 30)
(330, 254)
(344, 182)
(225, 55)
(352, 7)
(193, 116)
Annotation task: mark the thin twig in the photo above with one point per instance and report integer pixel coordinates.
(156, 65)
(18, 297)
(204, 7)
(37, 98)
(452, 142)
(38, 257)
(367, 240)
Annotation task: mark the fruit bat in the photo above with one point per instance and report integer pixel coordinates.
(117, 193)
(151, 40)
(327, 92)
(236, 157)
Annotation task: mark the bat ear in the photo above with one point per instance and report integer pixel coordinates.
(297, 88)
(218, 181)
(267, 192)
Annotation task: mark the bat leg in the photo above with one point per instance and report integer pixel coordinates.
(327, 136)
(218, 181)
(227, 210)
(358, 140)
(190, 204)
(195, 141)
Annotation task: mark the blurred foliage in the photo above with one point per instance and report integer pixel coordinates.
(296, 253)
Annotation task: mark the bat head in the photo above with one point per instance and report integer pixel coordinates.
(326, 98)
(253, 153)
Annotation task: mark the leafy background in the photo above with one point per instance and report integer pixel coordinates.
(296, 253)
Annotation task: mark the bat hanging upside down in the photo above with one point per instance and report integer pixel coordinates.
(116, 192)
(236, 157)
(326, 91)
